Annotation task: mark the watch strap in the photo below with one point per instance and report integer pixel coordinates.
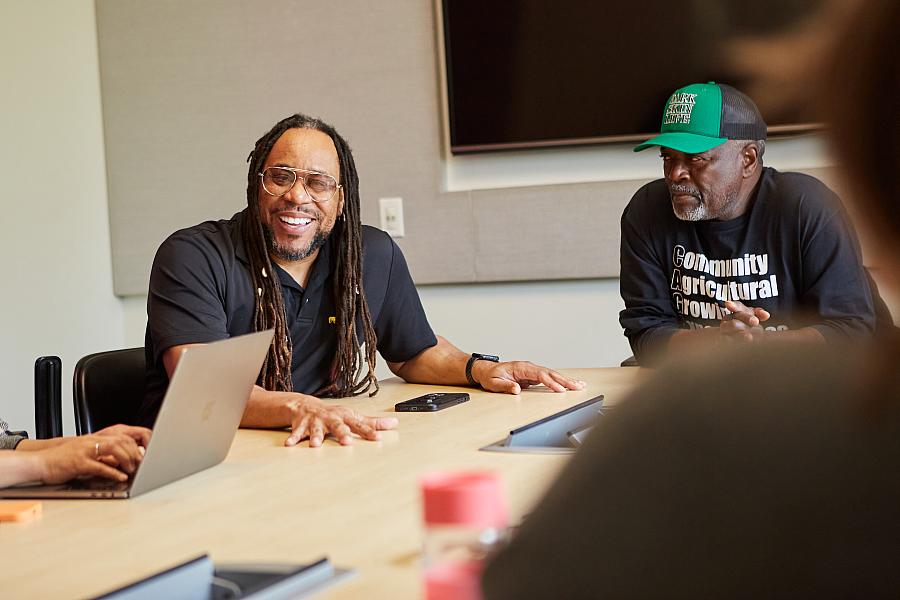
(475, 357)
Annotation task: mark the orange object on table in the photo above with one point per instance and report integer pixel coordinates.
(19, 510)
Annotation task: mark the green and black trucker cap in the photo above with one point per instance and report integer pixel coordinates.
(701, 116)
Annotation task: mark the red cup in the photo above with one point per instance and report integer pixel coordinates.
(464, 504)
(458, 581)
(473, 499)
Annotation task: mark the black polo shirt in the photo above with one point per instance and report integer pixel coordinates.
(201, 291)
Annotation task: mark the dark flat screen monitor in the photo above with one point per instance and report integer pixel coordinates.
(532, 73)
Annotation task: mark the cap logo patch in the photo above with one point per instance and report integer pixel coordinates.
(679, 109)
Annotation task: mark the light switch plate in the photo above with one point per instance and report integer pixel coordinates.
(391, 210)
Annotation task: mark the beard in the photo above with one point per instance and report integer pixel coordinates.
(693, 214)
(289, 254)
(699, 212)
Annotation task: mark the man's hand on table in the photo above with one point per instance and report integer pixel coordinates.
(313, 418)
(513, 377)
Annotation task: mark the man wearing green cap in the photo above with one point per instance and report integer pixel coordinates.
(723, 247)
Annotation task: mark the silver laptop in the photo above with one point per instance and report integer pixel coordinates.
(196, 424)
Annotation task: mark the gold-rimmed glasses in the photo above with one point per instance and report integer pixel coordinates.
(278, 181)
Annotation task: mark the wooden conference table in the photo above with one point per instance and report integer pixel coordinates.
(359, 505)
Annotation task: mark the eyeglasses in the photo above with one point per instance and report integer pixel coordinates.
(278, 181)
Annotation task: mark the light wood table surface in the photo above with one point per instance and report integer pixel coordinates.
(359, 505)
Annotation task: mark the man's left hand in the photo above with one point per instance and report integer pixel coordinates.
(513, 377)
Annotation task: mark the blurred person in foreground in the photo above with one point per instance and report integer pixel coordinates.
(770, 471)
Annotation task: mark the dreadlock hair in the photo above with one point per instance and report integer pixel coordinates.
(350, 299)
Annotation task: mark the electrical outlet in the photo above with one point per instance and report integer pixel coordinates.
(392, 216)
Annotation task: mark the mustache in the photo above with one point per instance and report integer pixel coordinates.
(676, 189)
(311, 212)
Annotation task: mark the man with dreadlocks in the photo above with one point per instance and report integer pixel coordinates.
(293, 261)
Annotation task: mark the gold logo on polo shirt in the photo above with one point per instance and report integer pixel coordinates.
(332, 320)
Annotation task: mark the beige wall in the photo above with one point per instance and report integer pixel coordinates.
(56, 270)
(185, 83)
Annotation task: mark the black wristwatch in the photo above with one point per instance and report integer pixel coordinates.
(475, 356)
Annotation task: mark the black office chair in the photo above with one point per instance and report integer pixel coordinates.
(631, 361)
(108, 389)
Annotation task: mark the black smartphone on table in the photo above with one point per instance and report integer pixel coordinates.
(431, 402)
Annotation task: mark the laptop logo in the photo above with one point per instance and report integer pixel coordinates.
(207, 410)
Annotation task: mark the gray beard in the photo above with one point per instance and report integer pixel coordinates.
(701, 211)
(288, 254)
(698, 213)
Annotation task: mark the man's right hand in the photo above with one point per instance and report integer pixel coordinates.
(141, 435)
(743, 322)
(112, 455)
(313, 418)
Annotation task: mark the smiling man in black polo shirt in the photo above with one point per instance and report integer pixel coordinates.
(293, 261)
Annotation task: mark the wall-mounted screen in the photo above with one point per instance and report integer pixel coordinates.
(526, 73)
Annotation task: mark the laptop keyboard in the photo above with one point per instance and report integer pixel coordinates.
(99, 484)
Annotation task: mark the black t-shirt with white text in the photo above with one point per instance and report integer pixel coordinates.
(793, 253)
